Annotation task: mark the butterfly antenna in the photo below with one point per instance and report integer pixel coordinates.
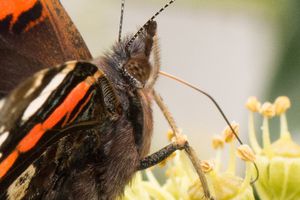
(121, 20)
(147, 23)
(219, 109)
(209, 96)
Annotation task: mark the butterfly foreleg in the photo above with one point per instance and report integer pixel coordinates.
(162, 154)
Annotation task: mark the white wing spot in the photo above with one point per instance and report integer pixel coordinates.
(3, 137)
(17, 190)
(41, 99)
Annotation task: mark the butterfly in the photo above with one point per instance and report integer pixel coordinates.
(71, 129)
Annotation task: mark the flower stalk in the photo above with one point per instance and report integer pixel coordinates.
(253, 105)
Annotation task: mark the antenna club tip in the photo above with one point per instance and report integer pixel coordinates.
(151, 27)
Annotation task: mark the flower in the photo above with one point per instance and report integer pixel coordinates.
(278, 162)
(183, 183)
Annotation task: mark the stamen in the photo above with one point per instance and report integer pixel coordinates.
(253, 104)
(281, 104)
(217, 142)
(207, 166)
(229, 134)
(246, 153)
(267, 110)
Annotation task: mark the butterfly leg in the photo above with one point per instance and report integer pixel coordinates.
(188, 149)
(162, 154)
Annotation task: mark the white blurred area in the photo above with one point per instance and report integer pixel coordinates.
(228, 52)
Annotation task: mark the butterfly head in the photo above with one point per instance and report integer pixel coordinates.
(134, 55)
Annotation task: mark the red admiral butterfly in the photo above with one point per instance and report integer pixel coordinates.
(78, 130)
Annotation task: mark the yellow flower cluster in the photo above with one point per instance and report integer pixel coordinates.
(183, 183)
(279, 161)
(278, 164)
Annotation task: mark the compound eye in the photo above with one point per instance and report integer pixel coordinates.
(139, 68)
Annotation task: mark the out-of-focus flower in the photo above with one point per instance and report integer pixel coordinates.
(279, 161)
(227, 185)
(183, 183)
(218, 142)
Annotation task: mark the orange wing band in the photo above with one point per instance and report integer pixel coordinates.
(15, 7)
(6, 164)
(36, 133)
(17, 11)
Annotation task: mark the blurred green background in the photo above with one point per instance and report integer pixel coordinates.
(230, 48)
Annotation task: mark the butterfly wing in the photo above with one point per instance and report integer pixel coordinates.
(54, 151)
(35, 35)
(66, 98)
